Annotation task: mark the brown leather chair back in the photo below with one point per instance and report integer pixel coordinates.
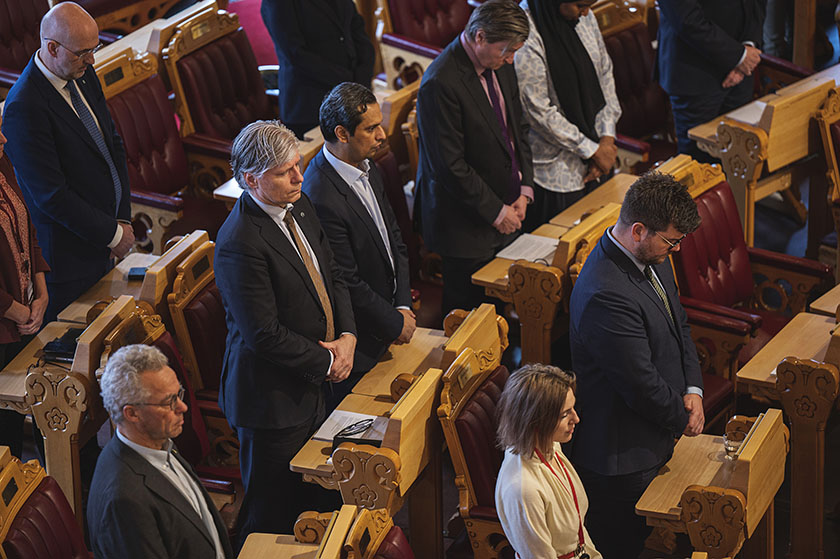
(20, 22)
(434, 22)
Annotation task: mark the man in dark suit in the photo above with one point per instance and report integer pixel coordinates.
(290, 325)
(347, 190)
(145, 499)
(706, 50)
(69, 160)
(638, 377)
(319, 44)
(475, 172)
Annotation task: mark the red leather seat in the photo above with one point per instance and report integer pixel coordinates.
(432, 23)
(223, 88)
(20, 23)
(45, 527)
(205, 318)
(394, 546)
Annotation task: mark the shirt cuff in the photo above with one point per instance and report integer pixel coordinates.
(587, 148)
(694, 390)
(403, 308)
(527, 192)
(501, 215)
(117, 236)
(332, 358)
(743, 56)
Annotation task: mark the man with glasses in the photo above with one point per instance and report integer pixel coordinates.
(639, 380)
(69, 159)
(145, 500)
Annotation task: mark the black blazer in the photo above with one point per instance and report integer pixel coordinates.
(464, 168)
(375, 290)
(319, 44)
(700, 41)
(63, 176)
(633, 364)
(135, 513)
(274, 367)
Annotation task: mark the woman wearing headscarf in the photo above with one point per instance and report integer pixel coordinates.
(568, 96)
(23, 287)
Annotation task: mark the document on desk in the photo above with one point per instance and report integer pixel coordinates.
(530, 247)
(340, 419)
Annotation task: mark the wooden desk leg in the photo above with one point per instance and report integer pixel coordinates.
(425, 508)
(58, 400)
(537, 291)
(761, 543)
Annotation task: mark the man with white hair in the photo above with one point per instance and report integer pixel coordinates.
(69, 159)
(145, 500)
(290, 325)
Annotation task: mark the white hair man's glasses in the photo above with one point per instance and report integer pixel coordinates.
(171, 402)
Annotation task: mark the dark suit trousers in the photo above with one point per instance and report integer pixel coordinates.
(691, 110)
(458, 289)
(274, 495)
(63, 293)
(615, 528)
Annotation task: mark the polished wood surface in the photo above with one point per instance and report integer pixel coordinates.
(611, 191)
(112, 285)
(13, 376)
(274, 546)
(828, 303)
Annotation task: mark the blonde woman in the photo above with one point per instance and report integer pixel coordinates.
(540, 500)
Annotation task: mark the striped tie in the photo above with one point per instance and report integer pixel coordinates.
(659, 291)
(96, 134)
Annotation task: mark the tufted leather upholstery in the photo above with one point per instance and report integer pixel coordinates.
(19, 31)
(223, 88)
(434, 22)
(394, 546)
(45, 527)
(205, 317)
(476, 426)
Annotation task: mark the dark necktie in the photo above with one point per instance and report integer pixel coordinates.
(515, 184)
(659, 291)
(96, 134)
(314, 274)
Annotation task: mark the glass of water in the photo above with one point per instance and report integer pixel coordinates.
(732, 441)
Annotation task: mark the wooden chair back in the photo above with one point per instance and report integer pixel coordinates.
(395, 110)
(132, 16)
(827, 121)
(482, 330)
(615, 16)
(412, 141)
(137, 328)
(124, 70)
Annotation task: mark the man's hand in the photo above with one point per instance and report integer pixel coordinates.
(520, 207)
(751, 60)
(733, 78)
(510, 221)
(408, 328)
(36, 316)
(605, 155)
(126, 242)
(696, 419)
(592, 173)
(342, 350)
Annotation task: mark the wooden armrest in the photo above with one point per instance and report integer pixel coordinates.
(155, 200)
(718, 322)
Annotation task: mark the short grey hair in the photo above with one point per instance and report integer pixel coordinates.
(121, 385)
(501, 21)
(260, 146)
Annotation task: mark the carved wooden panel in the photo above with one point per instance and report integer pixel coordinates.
(714, 519)
(368, 477)
(311, 525)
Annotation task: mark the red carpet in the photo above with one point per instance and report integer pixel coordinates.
(252, 23)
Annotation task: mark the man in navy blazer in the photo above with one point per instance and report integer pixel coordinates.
(638, 378)
(69, 160)
(290, 325)
(706, 50)
(349, 195)
(319, 44)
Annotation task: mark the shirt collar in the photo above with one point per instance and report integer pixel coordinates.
(58, 83)
(158, 458)
(623, 249)
(350, 173)
(465, 42)
(274, 212)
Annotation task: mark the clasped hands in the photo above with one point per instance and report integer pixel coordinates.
(513, 217)
(745, 68)
(342, 350)
(28, 319)
(603, 160)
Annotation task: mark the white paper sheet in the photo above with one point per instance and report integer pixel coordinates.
(530, 247)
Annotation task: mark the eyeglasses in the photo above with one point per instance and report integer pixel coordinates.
(77, 53)
(672, 244)
(171, 402)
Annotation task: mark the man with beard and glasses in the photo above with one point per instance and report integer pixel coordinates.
(647, 389)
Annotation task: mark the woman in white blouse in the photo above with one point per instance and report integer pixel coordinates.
(540, 500)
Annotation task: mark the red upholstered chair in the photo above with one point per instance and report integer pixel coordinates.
(171, 177)
(20, 24)
(718, 274)
(394, 546)
(217, 84)
(412, 33)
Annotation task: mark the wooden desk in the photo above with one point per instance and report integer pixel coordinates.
(112, 285)
(274, 546)
(827, 304)
(611, 191)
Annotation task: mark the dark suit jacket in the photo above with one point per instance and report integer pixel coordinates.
(319, 44)
(135, 512)
(464, 168)
(274, 367)
(64, 178)
(633, 364)
(700, 41)
(361, 255)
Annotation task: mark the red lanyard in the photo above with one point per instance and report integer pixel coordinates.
(574, 496)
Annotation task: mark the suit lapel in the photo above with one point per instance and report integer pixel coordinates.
(473, 85)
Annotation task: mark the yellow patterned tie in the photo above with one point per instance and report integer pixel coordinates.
(317, 280)
(659, 291)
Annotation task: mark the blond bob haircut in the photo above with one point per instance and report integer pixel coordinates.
(530, 407)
